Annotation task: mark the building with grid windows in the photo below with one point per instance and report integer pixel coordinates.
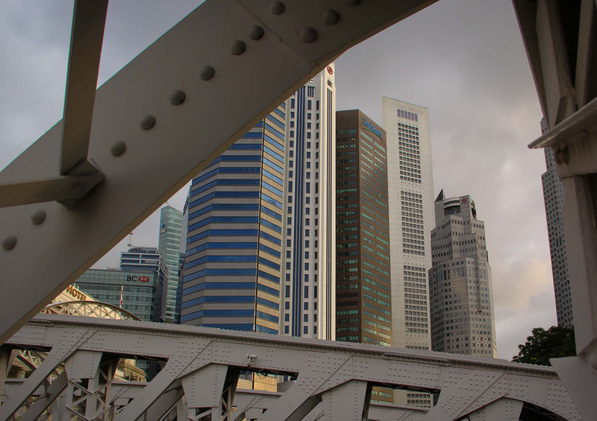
(169, 249)
(139, 292)
(462, 319)
(553, 196)
(410, 198)
(309, 234)
(231, 272)
(363, 300)
(363, 294)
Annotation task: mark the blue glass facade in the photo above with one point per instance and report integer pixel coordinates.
(231, 274)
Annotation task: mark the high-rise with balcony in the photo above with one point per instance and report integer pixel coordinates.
(309, 230)
(169, 249)
(462, 317)
(231, 273)
(410, 200)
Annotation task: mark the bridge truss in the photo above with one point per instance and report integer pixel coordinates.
(67, 199)
(201, 368)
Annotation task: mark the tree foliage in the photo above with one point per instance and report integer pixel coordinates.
(556, 342)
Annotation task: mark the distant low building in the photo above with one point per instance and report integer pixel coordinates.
(139, 292)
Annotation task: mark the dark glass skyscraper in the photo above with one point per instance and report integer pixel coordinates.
(363, 296)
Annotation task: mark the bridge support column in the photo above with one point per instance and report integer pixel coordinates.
(4, 357)
(89, 385)
(215, 401)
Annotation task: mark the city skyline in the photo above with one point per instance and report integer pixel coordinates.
(463, 60)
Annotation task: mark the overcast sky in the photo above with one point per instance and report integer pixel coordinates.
(462, 59)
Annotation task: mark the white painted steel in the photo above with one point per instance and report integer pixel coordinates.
(148, 145)
(333, 379)
(89, 19)
(562, 57)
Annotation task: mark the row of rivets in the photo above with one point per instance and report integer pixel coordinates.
(308, 34)
(10, 241)
(148, 122)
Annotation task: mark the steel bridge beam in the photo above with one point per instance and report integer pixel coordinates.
(561, 43)
(161, 120)
(333, 380)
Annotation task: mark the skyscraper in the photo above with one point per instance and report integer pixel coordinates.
(410, 200)
(363, 301)
(309, 235)
(169, 249)
(261, 223)
(553, 196)
(231, 273)
(462, 319)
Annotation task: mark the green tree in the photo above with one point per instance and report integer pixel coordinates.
(556, 342)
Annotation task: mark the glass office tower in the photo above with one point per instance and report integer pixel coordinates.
(169, 249)
(231, 274)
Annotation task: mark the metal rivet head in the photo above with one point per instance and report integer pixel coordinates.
(256, 32)
(118, 148)
(307, 34)
(330, 17)
(238, 47)
(177, 97)
(276, 8)
(207, 72)
(9, 242)
(353, 2)
(148, 122)
(38, 217)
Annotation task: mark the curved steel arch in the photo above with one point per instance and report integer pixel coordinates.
(89, 309)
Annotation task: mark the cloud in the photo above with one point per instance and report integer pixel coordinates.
(523, 299)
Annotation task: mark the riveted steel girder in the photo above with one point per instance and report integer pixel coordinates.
(561, 43)
(162, 119)
(333, 379)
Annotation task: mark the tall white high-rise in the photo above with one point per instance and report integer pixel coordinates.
(462, 319)
(309, 226)
(410, 200)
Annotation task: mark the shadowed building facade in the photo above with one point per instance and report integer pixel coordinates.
(363, 294)
(363, 300)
